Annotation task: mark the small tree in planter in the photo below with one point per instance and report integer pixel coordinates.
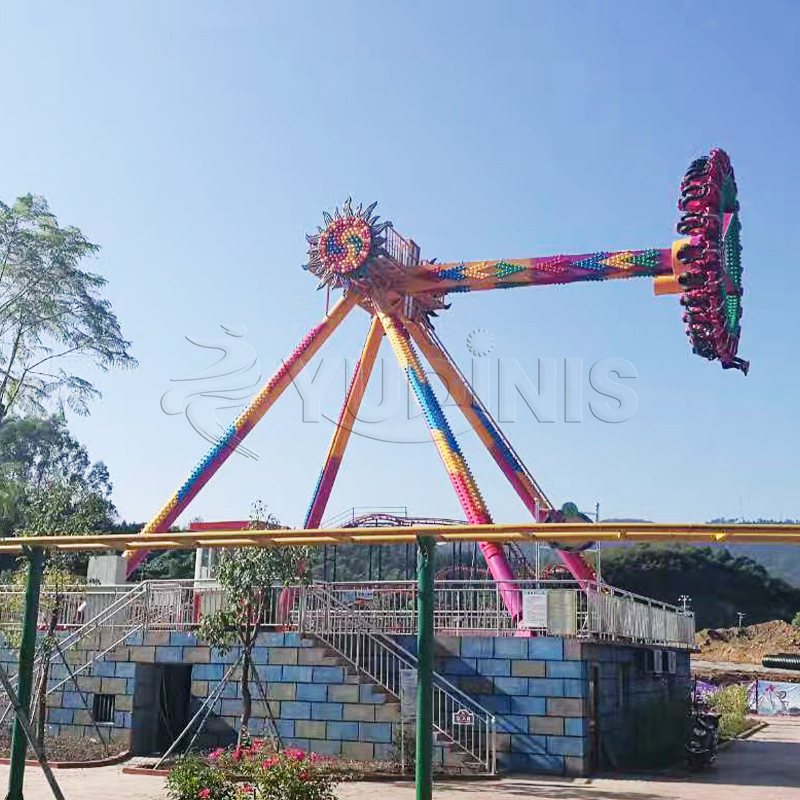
(247, 576)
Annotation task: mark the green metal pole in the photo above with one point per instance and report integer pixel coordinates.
(27, 655)
(426, 556)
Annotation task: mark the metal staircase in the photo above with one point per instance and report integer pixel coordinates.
(111, 626)
(461, 725)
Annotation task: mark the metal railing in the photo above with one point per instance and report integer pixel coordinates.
(116, 619)
(476, 608)
(384, 607)
(382, 660)
(404, 251)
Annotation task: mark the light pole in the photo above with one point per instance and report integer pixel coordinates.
(27, 656)
(426, 557)
(741, 616)
(685, 601)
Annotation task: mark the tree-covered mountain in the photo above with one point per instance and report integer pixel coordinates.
(782, 560)
(719, 582)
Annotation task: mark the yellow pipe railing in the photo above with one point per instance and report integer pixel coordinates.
(564, 533)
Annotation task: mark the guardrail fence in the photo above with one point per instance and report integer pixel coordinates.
(472, 608)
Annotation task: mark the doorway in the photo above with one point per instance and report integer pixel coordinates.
(161, 701)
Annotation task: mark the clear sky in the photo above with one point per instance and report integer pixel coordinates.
(197, 143)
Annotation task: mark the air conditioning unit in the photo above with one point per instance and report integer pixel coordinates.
(672, 662)
(658, 662)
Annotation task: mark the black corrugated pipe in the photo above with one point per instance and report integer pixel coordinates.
(781, 662)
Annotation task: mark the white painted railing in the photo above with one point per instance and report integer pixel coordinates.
(460, 608)
(476, 608)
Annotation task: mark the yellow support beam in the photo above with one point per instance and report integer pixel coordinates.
(565, 533)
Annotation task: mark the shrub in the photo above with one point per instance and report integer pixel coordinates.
(404, 749)
(796, 620)
(240, 760)
(252, 773)
(731, 704)
(192, 778)
(292, 775)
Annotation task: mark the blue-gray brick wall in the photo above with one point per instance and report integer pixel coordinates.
(641, 717)
(536, 687)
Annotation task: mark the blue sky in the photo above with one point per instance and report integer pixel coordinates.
(198, 142)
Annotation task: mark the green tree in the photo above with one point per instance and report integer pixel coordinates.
(247, 576)
(796, 620)
(48, 485)
(52, 315)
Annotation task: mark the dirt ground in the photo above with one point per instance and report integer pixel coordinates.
(765, 767)
(749, 644)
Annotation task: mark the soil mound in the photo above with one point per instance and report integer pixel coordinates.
(748, 644)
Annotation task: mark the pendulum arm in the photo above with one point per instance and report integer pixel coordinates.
(482, 275)
(460, 476)
(244, 423)
(344, 426)
(491, 435)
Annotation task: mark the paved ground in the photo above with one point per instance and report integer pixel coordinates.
(765, 767)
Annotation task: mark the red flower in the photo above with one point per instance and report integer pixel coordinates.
(215, 754)
(303, 775)
(204, 794)
(269, 762)
(295, 754)
(237, 755)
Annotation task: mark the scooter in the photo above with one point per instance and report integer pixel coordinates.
(703, 740)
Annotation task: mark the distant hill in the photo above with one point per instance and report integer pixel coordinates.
(781, 560)
(719, 580)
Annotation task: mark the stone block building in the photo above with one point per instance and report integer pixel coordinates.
(560, 705)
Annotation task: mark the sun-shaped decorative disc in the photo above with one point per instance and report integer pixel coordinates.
(344, 245)
(340, 252)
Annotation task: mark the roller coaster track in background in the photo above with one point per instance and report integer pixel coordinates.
(379, 518)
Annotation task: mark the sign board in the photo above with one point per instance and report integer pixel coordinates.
(408, 693)
(534, 608)
(357, 595)
(463, 717)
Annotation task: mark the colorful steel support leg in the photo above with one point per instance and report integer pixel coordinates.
(347, 417)
(426, 558)
(27, 654)
(492, 437)
(341, 436)
(460, 476)
(244, 423)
